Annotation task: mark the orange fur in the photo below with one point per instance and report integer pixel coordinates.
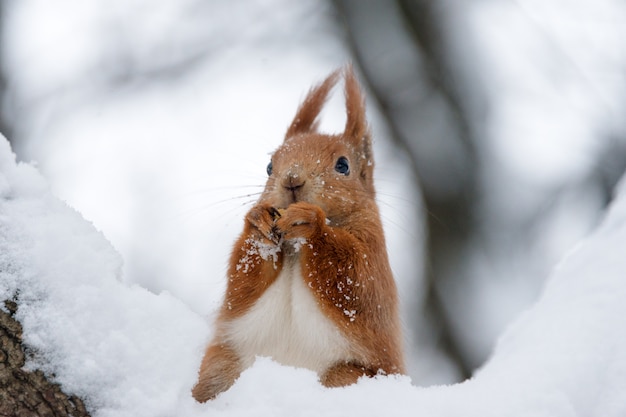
(326, 222)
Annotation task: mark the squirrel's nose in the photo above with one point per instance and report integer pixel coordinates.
(293, 181)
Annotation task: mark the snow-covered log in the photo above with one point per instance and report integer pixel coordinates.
(24, 392)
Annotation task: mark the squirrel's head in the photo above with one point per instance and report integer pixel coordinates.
(331, 171)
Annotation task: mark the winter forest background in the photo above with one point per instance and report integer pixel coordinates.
(499, 127)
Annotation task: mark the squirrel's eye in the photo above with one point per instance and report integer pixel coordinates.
(342, 166)
(269, 168)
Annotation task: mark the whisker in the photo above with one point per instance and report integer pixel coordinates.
(230, 215)
(395, 201)
(401, 226)
(403, 218)
(191, 212)
(384, 199)
(201, 191)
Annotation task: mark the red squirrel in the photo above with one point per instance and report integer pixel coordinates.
(309, 281)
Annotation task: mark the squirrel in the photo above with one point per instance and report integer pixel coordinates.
(309, 281)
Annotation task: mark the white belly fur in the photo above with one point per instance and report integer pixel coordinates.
(287, 325)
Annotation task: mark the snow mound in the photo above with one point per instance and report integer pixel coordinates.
(124, 350)
(129, 352)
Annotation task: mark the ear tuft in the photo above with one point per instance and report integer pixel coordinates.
(356, 124)
(357, 130)
(306, 116)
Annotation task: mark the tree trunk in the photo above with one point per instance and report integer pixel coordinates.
(24, 393)
(397, 45)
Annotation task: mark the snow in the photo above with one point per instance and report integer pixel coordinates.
(129, 352)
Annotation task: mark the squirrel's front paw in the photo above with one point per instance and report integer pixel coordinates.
(261, 219)
(300, 220)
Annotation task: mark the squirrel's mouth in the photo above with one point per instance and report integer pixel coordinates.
(294, 192)
(293, 185)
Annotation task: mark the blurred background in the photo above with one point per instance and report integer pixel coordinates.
(499, 126)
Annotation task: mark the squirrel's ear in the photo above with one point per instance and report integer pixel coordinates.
(356, 124)
(357, 129)
(306, 117)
